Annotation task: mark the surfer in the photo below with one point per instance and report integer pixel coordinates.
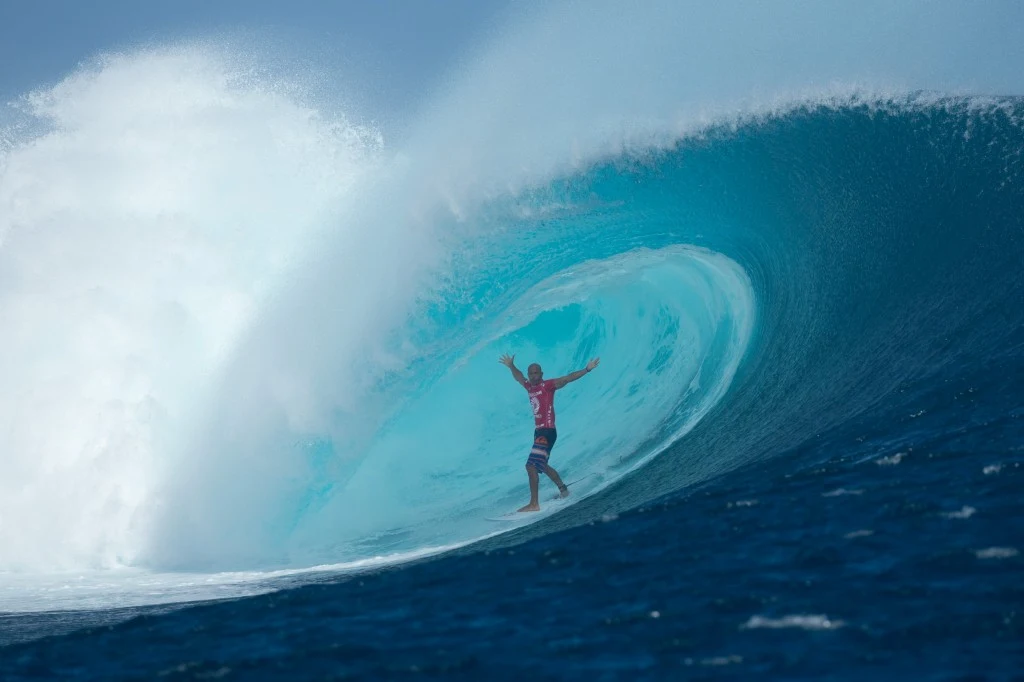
(542, 399)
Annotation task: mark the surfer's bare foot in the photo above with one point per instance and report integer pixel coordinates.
(563, 491)
(530, 507)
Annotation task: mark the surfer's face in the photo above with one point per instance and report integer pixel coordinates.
(534, 373)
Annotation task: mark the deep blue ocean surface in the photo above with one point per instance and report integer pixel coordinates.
(803, 448)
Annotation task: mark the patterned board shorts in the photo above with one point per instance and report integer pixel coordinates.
(543, 441)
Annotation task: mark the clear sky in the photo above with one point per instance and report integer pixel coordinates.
(384, 56)
(392, 47)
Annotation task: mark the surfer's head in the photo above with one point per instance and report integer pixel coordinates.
(534, 373)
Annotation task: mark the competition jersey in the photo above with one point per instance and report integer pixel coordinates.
(542, 400)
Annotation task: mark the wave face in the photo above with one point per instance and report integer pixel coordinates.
(836, 257)
(876, 245)
(294, 368)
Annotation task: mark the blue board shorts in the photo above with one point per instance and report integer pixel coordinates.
(543, 441)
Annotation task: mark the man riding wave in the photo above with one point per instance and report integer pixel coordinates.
(542, 399)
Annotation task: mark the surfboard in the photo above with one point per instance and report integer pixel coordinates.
(514, 517)
(554, 503)
(523, 517)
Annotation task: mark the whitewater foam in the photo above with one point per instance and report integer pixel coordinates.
(148, 214)
(801, 621)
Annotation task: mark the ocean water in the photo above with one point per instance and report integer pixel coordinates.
(254, 424)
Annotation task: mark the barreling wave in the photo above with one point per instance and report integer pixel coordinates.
(239, 336)
(829, 255)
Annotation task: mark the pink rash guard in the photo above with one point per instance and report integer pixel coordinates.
(542, 399)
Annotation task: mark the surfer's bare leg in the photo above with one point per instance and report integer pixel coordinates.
(563, 491)
(534, 505)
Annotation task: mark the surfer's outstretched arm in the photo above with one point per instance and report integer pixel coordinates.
(510, 362)
(568, 378)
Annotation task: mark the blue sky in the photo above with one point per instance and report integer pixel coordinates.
(394, 48)
(384, 56)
